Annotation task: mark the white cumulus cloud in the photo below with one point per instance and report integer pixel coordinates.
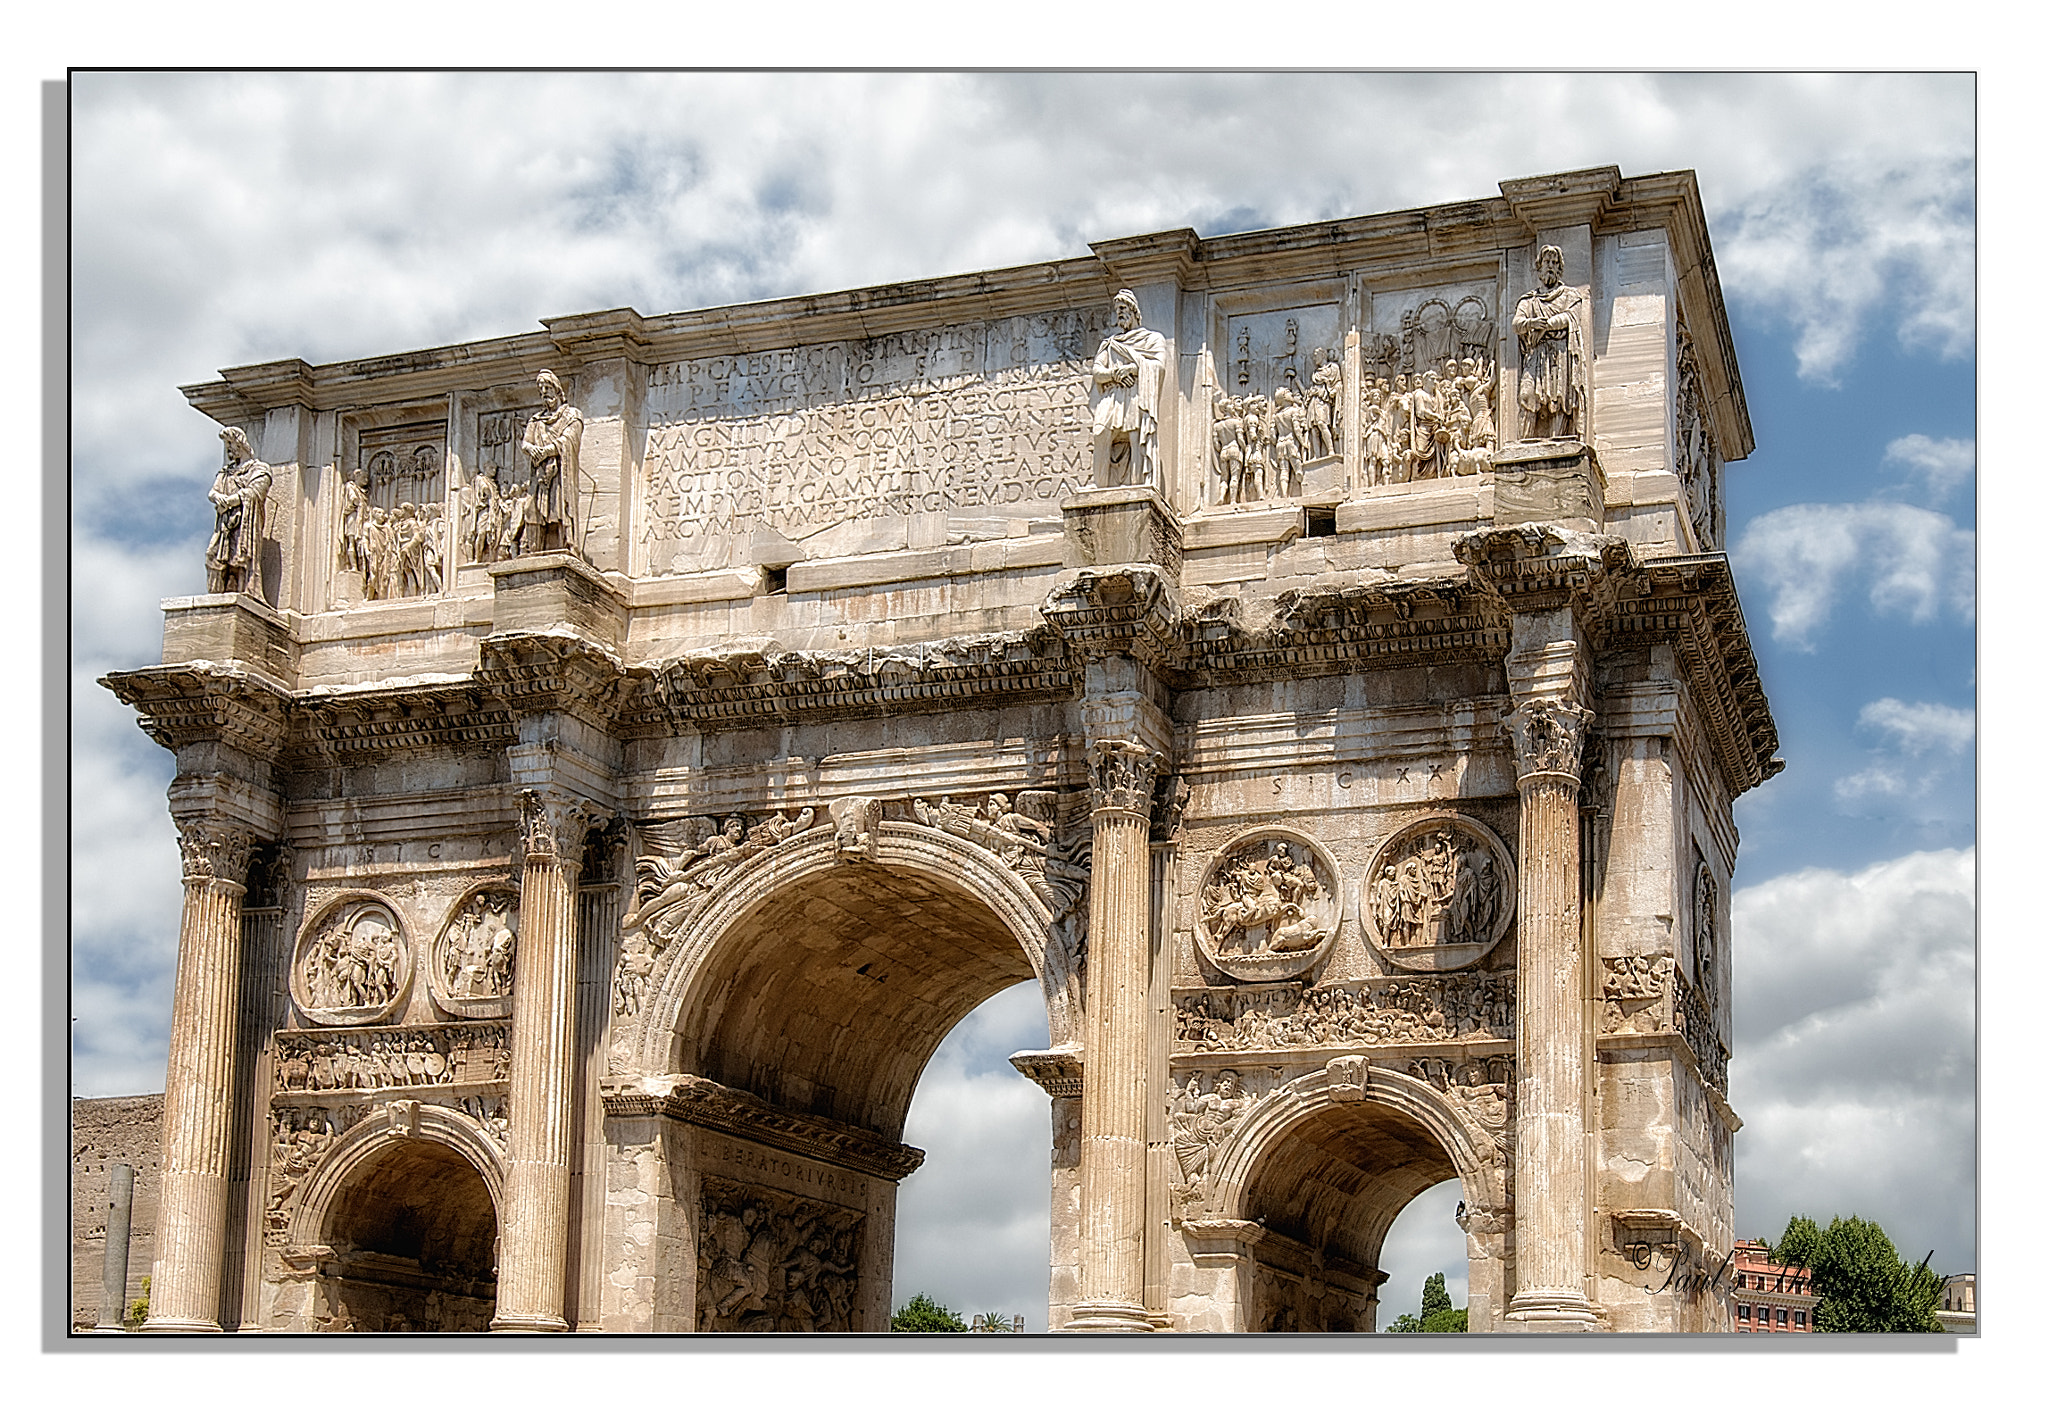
(1906, 560)
(1854, 1065)
(1940, 466)
(1918, 728)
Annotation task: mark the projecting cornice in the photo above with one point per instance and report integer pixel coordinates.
(191, 703)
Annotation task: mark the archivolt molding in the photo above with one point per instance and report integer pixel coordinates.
(1350, 1080)
(647, 1040)
(389, 1122)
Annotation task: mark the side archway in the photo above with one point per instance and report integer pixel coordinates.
(400, 1223)
(1323, 1166)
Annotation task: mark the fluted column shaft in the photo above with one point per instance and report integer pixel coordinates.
(533, 1241)
(199, 1091)
(1550, 1026)
(1114, 1087)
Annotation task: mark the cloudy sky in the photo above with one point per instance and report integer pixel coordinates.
(221, 221)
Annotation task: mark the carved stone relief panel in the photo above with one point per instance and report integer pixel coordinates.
(1026, 834)
(1270, 905)
(1409, 1010)
(841, 447)
(1429, 384)
(471, 971)
(1706, 931)
(1440, 895)
(676, 865)
(392, 510)
(299, 1139)
(1483, 1091)
(1635, 993)
(1201, 1114)
(1694, 458)
(1279, 406)
(771, 1262)
(391, 1056)
(352, 964)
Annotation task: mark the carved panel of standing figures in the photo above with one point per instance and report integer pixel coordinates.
(471, 973)
(353, 964)
(1440, 895)
(769, 1262)
(1270, 905)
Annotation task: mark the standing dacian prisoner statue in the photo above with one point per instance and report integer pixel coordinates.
(1547, 323)
(233, 559)
(551, 442)
(1129, 369)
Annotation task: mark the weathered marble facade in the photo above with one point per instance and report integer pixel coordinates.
(630, 747)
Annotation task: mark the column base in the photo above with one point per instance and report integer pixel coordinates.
(1554, 1311)
(182, 1324)
(521, 1322)
(1110, 1317)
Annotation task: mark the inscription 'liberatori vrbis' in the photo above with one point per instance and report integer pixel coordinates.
(905, 440)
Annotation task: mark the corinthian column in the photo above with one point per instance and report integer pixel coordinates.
(1114, 1088)
(199, 1091)
(1550, 1025)
(534, 1239)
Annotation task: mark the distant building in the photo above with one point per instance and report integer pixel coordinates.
(1770, 1297)
(1958, 1310)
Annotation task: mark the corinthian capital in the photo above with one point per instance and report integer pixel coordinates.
(553, 826)
(1122, 774)
(214, 850)
(1548, 734)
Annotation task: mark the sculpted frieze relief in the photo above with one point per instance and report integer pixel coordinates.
(1442, 894)
(838, 445)
(1695, 460)
(353, 964)
(473, 958)
(1026, 836)
(1483, 1092)
(1706, 930)
(1695, 1024)
(772, 1262)
(1269, 907)
(1201, 1117)
(1411, 1010)
(678, 864)
(1635, 993)
(395, 1056)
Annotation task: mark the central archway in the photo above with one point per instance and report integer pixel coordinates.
(788, 1023)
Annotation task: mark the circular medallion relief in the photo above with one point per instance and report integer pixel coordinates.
(1270, 907)
(471, 970)
(353, 964)
(1440, 894)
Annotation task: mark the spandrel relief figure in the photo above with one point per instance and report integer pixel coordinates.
(1549, 324)
(234, 552)
(552, 442)
(1200, 1121)
(1126, 379)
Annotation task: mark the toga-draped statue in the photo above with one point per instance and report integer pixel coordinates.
(1551, 328)
(1129, 370)
(550, 443)
(234, 552)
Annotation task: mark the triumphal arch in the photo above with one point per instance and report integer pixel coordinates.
(611, 758)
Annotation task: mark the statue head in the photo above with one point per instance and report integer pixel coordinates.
(1550, 266)
(238, 445)
(998, 806)
(551, 392)
(1127, 315)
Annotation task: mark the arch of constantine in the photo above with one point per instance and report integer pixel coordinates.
(611, 758)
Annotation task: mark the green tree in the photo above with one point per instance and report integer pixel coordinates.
(1861, 1283)
(1437, 1313)
(992, 1322)
(138, 1311)
(921, 1314)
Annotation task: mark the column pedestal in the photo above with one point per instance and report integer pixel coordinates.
(199, 1093)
